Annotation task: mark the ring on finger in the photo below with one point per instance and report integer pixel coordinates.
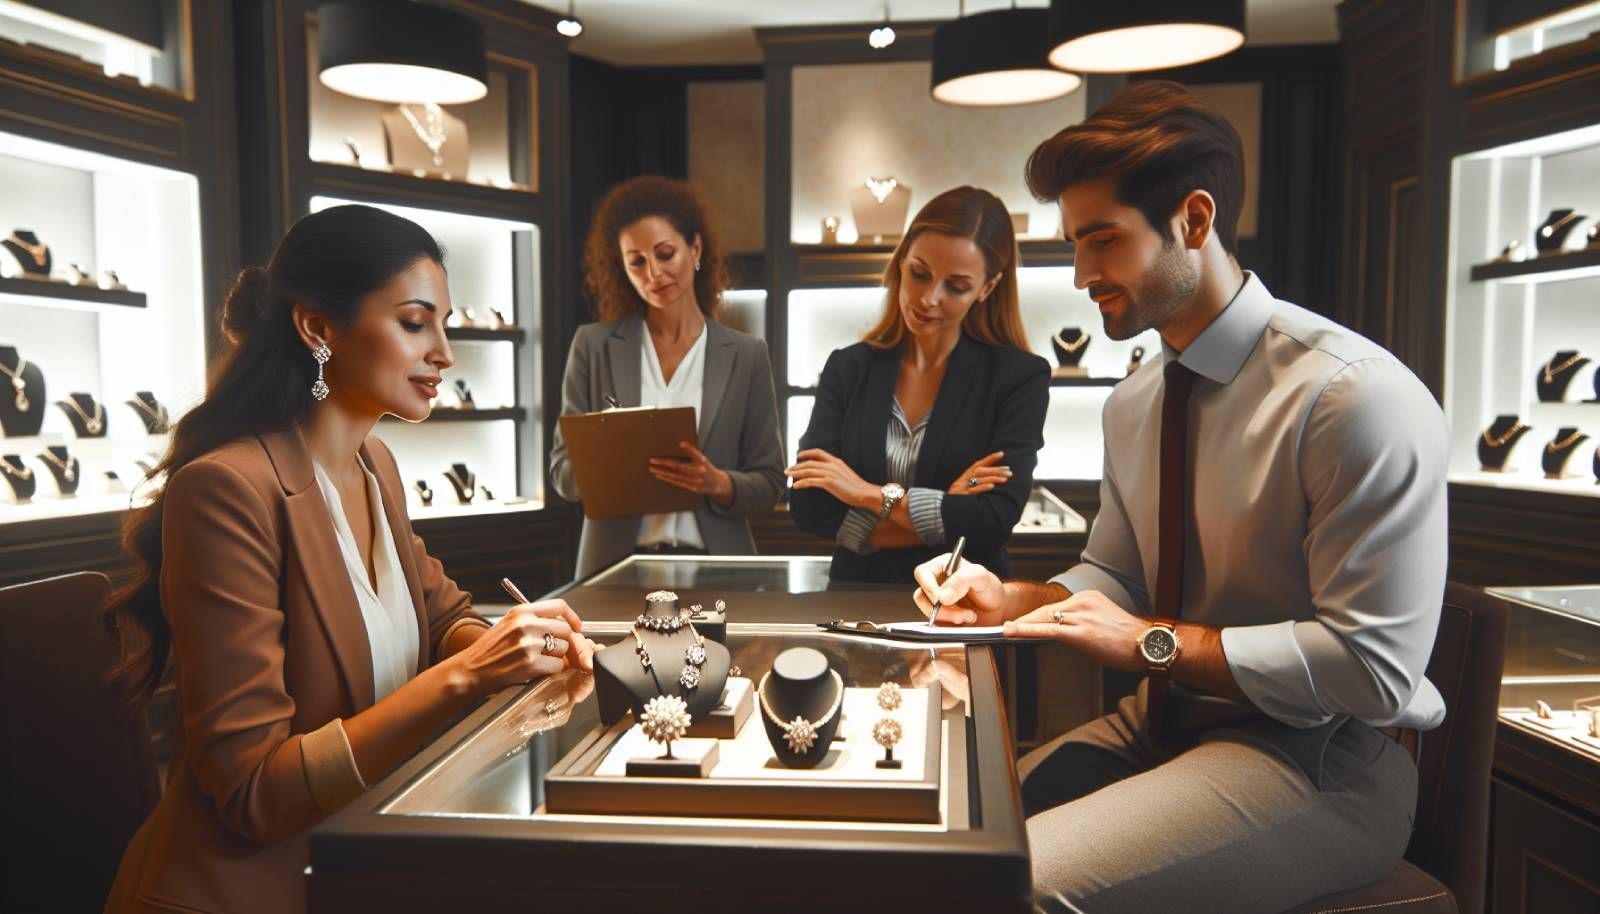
(972, 482)
(1060, 616)
(552, 644)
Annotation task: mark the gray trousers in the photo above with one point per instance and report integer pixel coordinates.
(1224, 820)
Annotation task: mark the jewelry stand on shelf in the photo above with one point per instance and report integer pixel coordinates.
(1560, 450)
(879, 207)
(1135, 359)
(87, 416)
(654, 661)
(801, 698)
(464, 481)
(424, 493)
(464, 395)
(1069, 344)
(64, 467)
(1551, 236)
(426, 140)
(32, 255)
(151, 412)
(22, 393)
(20, 478)
(1497, 442)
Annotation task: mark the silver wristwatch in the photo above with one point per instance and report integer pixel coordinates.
(892, 493)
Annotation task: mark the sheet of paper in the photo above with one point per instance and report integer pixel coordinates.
(953, 632)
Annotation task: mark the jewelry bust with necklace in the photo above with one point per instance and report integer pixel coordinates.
(90, 422)
(1555, 378)
(668, 656)
(425, 139)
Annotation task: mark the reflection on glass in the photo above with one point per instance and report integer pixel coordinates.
(1551, 683)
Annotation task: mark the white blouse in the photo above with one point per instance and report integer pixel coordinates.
(686, 389)
(389, 612)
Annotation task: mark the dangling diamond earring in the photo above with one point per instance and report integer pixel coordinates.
(697, 266)
(322, 354)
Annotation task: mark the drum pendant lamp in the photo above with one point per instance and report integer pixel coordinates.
(1126, 36)
(401, 51)
(1000, 57)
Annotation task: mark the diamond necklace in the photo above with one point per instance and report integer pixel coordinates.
(91, 424)
(69, 466)
(1075, 345)
(433, 135)
(158, 414)
(694, 656)
(19, 383)
(801, 734)
(881, 188)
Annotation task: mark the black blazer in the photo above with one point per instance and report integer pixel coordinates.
(992, 398)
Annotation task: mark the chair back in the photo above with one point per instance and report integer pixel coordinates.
(76, 766)
(1451, 840)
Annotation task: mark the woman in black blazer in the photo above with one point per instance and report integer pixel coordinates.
(929, 428)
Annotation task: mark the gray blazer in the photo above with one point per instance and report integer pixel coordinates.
(738, 427)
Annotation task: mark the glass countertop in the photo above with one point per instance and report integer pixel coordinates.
(1580, 601)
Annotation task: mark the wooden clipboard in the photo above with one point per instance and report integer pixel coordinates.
(611, 453)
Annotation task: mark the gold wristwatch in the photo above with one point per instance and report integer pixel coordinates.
(1159, 647)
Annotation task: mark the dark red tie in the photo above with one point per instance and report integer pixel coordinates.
(1173, 520)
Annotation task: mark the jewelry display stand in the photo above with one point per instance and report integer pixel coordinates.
(625, 683)
(87, 415)
(1552, 235)
(32, 256)
(800, 703)
(426, 140)
(749, 781)
(63, 468)
(1559, 451)
(880, 207)
(463, 481)
(22, 395)
(1498, 442)
(151, 412)
(1069, 344)
(20, 479)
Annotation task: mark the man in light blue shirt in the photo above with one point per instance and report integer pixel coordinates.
(1270, 548)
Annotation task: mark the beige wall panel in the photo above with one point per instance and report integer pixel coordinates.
(727, 154)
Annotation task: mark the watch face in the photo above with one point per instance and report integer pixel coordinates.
(894, 490)
(1158, 645)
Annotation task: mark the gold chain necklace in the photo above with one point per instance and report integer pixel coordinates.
(39, 251)
(19, 383)
(158, 414)
(433, 135)
(23, 473)
(1500, 440)
(1550, 371)
(69, 467)
(91, 424)
(1565, 443)
(1550, 230)
(1074, 346)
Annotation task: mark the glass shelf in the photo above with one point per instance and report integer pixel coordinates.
(1553, 657)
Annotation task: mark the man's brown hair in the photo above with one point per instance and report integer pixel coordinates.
(1155, 142)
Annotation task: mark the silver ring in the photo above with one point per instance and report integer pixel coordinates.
(972, 482)
(551, 645)
(1060, 616)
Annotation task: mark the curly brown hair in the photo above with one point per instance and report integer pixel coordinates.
(678, 202)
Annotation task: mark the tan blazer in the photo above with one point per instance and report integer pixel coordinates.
(271, 650)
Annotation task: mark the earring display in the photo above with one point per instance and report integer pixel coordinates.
(1511, 253)
(879, 207)
(464, 481)
(64, 467)
(20, 478)
(1069, 344)
(88, 417)
(78, 276)
(666, 720)
(1552, 234)
(1497, 442)
(31, 254)
(887, 733)
(151, 412)
(1560, 450)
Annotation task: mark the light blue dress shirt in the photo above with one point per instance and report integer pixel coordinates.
(1317, 535)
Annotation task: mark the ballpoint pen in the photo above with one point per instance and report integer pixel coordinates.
(612, 402)
(949, 569)
(513, 590)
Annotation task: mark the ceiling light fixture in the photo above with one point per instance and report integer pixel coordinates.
(883, 36)
(1000, 57)
(401, 51)
(1094, 36)
(571, 26)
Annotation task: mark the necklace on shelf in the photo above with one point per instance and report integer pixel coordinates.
(881, 188)
(1075, 345)
(91, 424)
(468, 486)
(23, 473)
(40, 252)
(801, 734)
(69, 466)
(1550, 230)
(19, 383)
(1566, 442)
(432, 134)
(157, 414)
(1551, 370)
(1497, 441)
(694, 657)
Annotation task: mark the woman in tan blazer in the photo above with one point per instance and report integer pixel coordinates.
(314, 641)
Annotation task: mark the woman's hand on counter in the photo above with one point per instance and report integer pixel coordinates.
(984, 474)
(695, 473)
(513, 650)
(818, 469)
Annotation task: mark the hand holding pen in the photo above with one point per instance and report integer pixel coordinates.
(960, 592)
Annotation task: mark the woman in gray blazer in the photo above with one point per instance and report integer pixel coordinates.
(654, 266)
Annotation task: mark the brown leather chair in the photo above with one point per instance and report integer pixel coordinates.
(76, 765)
(1444, 867)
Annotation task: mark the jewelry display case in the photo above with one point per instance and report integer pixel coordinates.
(1551, 686)
(130, 41)
(483, 793)
(102, 340)
(1522, 327)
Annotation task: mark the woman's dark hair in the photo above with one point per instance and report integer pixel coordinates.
(1155, 142)
(683, 206)
(327, 262)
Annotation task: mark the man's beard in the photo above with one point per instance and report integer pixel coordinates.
(1163, 290)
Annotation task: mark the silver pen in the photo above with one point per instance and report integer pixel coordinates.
(949, 569)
